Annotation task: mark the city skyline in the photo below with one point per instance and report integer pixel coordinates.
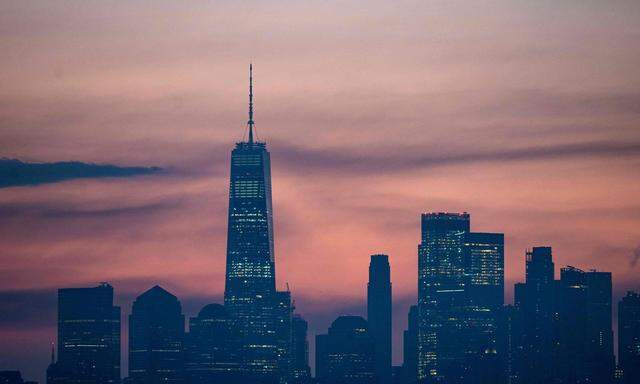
(361, 145)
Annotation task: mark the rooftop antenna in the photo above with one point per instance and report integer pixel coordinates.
(250, 122)
(53, 353)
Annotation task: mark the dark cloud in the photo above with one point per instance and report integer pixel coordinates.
(64, 212)
(17, 173)
(27, 309)
(381, 160)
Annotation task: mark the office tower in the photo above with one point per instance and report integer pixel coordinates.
(600, 356)
(629, 337)
(156, 338)
(441, 295)
(484, 266)
(300, 371)
(460, 283)
(346, 353)
(410, 347)
(484, 286)
(212, 347)
(379, 314)
(88, 337)
(584, 327)
(250, 295)
(535, 300)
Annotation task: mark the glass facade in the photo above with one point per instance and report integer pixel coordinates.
(460, 293)
(88, 337)
(262, 315)
(441, 293)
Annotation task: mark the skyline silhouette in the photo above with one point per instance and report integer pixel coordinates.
(382, 114)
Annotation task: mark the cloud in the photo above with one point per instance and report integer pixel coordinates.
(389, 160)
(17, 173)
(27, 309)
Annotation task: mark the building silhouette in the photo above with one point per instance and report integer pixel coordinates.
(410, 347)
(629, 337)
(300, 371)
(262, 314)
(156, 339)
(535, 300)
(88, 337)
(484, 286)
(460, 279)
(212, 347)
(379, 314)
(345, 355)
(584, 327)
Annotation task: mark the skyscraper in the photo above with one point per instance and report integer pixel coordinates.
(629, 337)
(346, 353)
(584, 327)
(156, 338)
(379, 314)
(535, 300)
(250, 295)
(460, 294)
(441, 295)
(300, 371)
(212, 347)
(88, 337)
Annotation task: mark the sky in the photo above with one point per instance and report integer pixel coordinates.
(523, 113)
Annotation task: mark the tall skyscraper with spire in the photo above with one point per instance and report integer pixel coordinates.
(250, 291)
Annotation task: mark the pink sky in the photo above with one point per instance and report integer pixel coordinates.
(523, 113)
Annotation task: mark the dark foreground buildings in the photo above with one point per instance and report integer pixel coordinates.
(345, 355)
(559, 331)
(212, 347)
(88, 337)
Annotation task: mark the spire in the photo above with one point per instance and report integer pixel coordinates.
(250, 122)
(53, 353)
